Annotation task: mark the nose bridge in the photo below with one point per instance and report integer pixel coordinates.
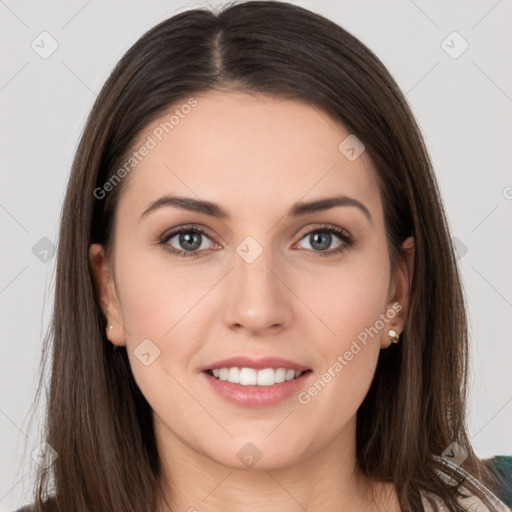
(253, 268)
(257, 297)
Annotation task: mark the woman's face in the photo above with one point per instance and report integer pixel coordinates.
(262, 281)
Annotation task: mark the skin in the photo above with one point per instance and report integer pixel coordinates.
(255, 157)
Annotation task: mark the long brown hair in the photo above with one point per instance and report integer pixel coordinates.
(97, 420)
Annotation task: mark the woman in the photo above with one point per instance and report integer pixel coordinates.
(257, 301)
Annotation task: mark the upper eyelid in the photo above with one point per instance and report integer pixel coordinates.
(187, 227)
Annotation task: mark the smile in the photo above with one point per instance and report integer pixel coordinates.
(252, 377)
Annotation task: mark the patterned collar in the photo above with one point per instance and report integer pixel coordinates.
(468, 501)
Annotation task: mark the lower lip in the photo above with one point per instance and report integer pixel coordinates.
(256, 396)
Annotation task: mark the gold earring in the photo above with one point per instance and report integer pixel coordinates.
(394, 335)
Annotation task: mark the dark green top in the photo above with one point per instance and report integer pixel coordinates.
(503, 466)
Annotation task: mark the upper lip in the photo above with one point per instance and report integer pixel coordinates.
(257, 364)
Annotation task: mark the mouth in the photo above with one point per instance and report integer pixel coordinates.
(251, 383)
(252, 377)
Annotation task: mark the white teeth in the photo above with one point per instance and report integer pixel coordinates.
(247, 376)
(252, 377)
(266, 377)
(280, 375)
(233, 374)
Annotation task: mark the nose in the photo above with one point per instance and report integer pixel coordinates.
(258, 299)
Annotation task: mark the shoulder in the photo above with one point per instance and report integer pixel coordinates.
(469, 501)
(502, 467)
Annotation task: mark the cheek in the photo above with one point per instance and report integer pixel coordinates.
(155, 293)
(348, 298)
(159, 303)
(351, 304)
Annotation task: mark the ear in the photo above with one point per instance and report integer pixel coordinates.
(400, 284)
(107, 294)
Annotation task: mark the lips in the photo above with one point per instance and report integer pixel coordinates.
(265, 390)
(256, 396)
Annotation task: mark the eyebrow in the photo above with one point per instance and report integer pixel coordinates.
(214, 210)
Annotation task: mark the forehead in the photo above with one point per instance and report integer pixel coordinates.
(247, 151)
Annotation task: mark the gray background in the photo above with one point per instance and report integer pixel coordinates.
(462, 104)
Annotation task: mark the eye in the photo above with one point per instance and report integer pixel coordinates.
(191, 239)
(321, 238)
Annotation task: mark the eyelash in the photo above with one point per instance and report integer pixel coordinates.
(341, 233)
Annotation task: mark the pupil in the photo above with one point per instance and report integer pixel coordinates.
(325, 236)
(185, 240)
